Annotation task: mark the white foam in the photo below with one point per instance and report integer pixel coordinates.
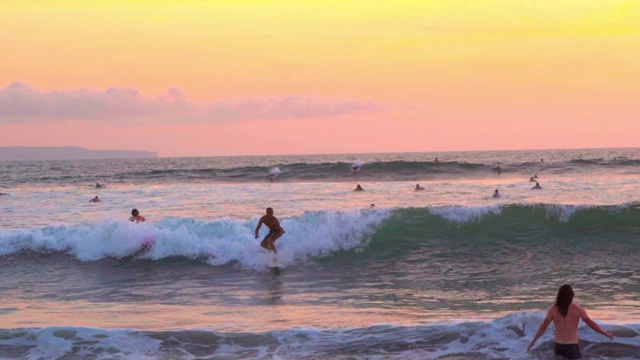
(313, 234)
(506, 337)
(465, 214)
(563, 212)
(54, 342)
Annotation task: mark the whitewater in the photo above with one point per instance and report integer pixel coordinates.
(448, 272)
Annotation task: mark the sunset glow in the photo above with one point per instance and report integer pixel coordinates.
(202, 78)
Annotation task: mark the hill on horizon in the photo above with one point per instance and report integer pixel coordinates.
(16, 153)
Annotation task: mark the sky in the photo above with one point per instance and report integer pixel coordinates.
(206, 78)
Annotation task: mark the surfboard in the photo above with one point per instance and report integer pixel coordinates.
(147, 244)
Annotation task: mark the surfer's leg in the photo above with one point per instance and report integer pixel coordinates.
(272, 245)
(265, 245)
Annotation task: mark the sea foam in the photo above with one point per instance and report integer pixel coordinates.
(218, 242)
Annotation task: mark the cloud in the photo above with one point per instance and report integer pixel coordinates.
(20, 102)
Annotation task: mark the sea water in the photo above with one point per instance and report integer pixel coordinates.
(387, 273)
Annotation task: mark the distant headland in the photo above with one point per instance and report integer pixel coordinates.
(68, 153)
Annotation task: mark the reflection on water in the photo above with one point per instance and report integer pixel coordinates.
(189, 294)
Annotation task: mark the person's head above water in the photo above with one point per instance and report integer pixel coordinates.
(564, 299)
(136, 217)
(269, 211)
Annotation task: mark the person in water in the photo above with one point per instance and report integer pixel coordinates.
(3, 194)
(358, 188)
(537, 187)
(98, 185)
(533, 178)
(136, 217)
(565, 317)
(498, 169)
(95, 199)
(496, 194)
(275, 231)
(419, 188)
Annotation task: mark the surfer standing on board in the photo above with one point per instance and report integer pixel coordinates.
(566, 317)
(275, 231)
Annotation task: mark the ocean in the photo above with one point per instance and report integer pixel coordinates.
(448, 272)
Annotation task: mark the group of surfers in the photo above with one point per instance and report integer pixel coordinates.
(564, 314)
(496, 194)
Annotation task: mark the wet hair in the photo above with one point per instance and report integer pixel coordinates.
(135, 212)
(564, 299)
(269, 209)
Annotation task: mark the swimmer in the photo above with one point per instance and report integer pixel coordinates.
(358, 188)
(98, 185)
(418, 188)
(498, 169)
(136, 217)
(566, 317)
(537, 187)
(372, 206)
(496, 194)
(355, 168)
(533, 178)
(436, 161)
(275, 231)
(95, 199)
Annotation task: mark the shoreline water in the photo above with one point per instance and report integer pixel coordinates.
(442, 273)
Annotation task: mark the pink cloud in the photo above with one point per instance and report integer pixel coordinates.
(20, 103)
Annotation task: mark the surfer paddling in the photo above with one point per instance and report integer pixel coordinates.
(565, 317)
(275, 231)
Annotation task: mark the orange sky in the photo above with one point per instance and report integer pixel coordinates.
(190, 78)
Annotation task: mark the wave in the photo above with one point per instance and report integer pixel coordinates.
(313, 234)
(506, 337)
(323, 234)
(170, 170)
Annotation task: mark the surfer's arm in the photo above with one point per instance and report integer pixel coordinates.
(541, 330)
(258, 227)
